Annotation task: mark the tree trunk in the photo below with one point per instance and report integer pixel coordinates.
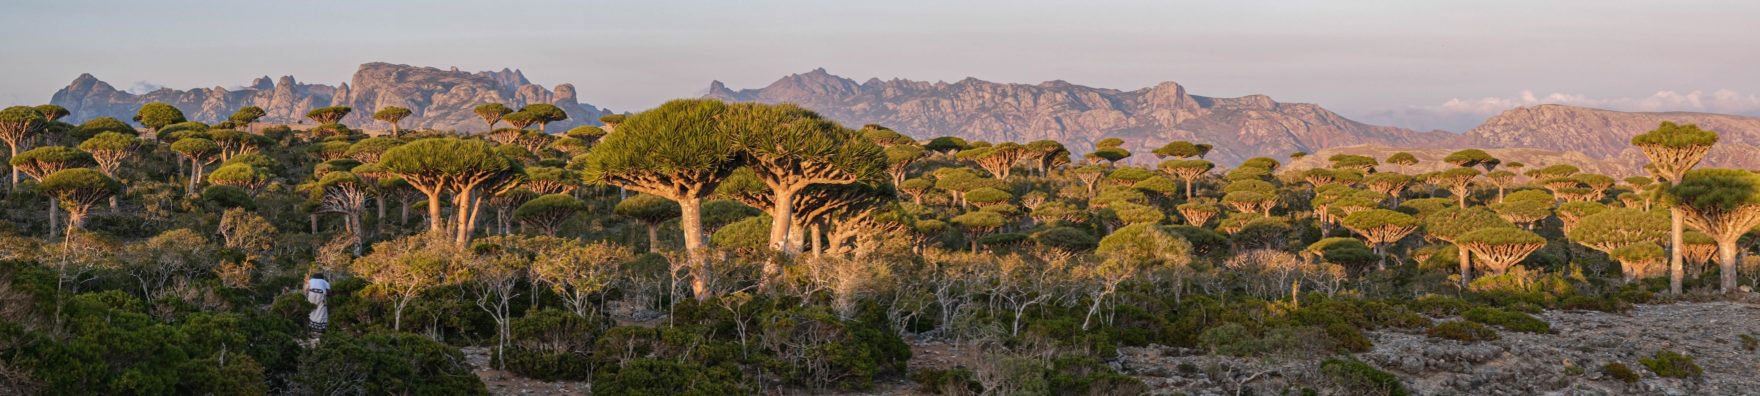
(1676, 244)
(14, 185)
(434, 212)
(691, 220)
(1726, 264)
(1381, 256)
(54, 221)
(360, 239)
(379, 223)
(818, 247)
(653, 237)
(397, 315)
(783, 212)
(1466, 265)
(470, 223)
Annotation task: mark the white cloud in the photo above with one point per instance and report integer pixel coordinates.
(1462, 114)
(142, 87)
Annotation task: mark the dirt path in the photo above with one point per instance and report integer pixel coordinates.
(506, 383)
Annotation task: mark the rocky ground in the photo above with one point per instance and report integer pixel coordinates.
(506, 383)
(1567, 362)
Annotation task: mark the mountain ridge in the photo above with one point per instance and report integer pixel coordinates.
(1077, 115)
(438, 99)
(1241, 127)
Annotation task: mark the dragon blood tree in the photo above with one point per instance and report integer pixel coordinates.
(1673, 150)
(1187, 171)
(1501, 247)
(1639, 260)
(1381, 227)
(1723, 203)
(1450, 224)
(78, 189)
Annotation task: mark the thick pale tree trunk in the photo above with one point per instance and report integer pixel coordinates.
(434, 213)
(1676, 245)
(691, 220)
(783, 212)
(1466, 265)
(1726, 264)
(818, 247)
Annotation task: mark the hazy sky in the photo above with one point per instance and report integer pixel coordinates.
(1413, 63)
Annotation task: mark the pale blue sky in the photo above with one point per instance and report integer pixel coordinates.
(1398, 62)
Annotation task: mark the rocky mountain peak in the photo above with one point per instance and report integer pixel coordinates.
(440, 99)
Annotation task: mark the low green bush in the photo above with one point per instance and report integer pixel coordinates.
(1348, 339)
(1230, 339)
(386, 363)
(814, 347)
(645, 376)
(1671, 364)
(1620, 372)
(552, 345)
(1358, 378)
(1086, 375)
(953, 381)
(1439, 306)
(1508, 320)
(1460, 330)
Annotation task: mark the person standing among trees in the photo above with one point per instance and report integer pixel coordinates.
(317, 291)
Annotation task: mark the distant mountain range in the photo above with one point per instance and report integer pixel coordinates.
(1147, 118)
(1241, 128)
(439, 99)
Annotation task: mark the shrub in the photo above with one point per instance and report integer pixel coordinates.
(813, 347)
(552, 345)
(953, 381)
(1086, 375)
(386, 363)
(1508, 320)
(1230, 339)
(1671, 364)
(1439, 306)
(1749, 343)
(1620, 372)
(1359, 378)
(1348, 339)
(1460, 330)
(646, 376)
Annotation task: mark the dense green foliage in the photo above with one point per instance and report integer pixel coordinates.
(704, 247)
(1671, 364)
